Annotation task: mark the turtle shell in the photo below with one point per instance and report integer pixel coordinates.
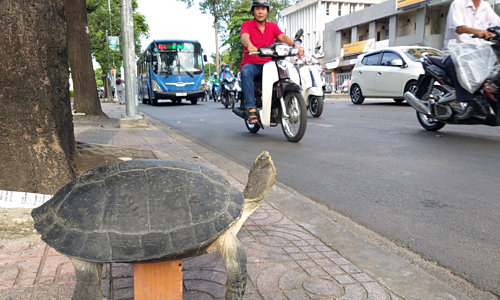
(139, 210)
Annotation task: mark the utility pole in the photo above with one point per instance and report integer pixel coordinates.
(108, 84)
(112, 54)
(130, 69)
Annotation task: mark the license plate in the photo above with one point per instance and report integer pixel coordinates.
(181, 94)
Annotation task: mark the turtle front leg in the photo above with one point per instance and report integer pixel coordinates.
(234, 259)
(88, 280)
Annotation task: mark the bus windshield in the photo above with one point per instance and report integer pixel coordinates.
(177, 58)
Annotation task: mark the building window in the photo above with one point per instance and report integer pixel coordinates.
(352, 8)
(362, 38)
(327, 8)
(340, 8)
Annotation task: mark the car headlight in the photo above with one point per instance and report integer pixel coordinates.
(282, 50)
(202, 85)
(156, 86)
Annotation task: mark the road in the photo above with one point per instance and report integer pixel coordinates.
(435, 193)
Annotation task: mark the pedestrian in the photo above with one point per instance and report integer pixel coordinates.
(120, 90)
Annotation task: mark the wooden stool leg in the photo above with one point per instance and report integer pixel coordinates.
(158, 280)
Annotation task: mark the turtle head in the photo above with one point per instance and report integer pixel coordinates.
(261, 178)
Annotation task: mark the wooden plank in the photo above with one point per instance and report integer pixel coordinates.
(158, 280)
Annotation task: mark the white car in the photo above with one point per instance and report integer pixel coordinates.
(387, 73)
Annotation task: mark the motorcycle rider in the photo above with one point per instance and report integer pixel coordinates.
(257, 33)
(466, 17)
(214, 80)
(225, 73)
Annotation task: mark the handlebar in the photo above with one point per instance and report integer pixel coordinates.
(489, 39)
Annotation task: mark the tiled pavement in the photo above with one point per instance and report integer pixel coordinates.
(284, 260)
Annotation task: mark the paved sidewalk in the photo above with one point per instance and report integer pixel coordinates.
(284, 260)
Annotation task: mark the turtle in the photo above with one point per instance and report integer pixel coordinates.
(152, 210)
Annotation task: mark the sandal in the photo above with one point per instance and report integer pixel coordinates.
(252, 116)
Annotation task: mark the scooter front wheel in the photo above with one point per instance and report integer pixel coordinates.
(316, 105)
(294, 118)
(253, 128)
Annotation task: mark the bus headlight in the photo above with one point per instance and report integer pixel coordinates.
(156, 86)
(202, 85)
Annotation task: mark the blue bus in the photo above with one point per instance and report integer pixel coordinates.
(171, 69)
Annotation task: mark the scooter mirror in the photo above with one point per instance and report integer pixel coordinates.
(299, 33)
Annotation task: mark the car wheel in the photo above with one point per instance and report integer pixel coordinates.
(411, 87)
(356, 95)
(194, 100)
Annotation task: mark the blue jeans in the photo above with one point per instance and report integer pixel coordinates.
(248, 73)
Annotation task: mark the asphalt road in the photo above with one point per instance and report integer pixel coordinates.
(435, 193)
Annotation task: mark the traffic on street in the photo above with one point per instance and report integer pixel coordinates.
(434, 193)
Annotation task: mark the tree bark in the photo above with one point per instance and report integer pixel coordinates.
(216, 27)
(37, 142)
(80, 58)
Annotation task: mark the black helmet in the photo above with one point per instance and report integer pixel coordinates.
(264, 3)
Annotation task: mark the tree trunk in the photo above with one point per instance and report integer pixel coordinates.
(37, 142)
(216, 27)
(86, 98)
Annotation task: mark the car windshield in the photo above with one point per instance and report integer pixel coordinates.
(177, 59)
(416, 53)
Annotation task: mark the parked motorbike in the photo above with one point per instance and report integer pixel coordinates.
(229, 92)
(312, 91)
(436, 105)
(277, 94)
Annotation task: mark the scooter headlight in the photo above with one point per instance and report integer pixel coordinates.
(282, 50)
(156, 86)
(265, 51)
(294, 51)
(230, 79)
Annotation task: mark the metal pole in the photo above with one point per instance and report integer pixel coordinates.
(108, 84)
(113, 78)
(132, 104)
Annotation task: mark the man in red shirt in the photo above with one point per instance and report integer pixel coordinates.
(254, 34)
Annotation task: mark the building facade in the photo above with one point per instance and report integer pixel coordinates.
(312, 15)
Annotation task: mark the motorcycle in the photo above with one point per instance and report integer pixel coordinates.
(229, 92)
(312, 91)
(436, 105)
(277, 94)
(216, 91)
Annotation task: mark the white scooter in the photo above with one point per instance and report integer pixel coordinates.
(312, 91)
(277, 94)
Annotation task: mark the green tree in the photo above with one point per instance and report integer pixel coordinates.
(80, 59)
(97, 75)
(219, 9)
(37, 142)
(238, 15)
(99, 21)
(209, 70)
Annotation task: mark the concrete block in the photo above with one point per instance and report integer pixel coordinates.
(134, 123)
